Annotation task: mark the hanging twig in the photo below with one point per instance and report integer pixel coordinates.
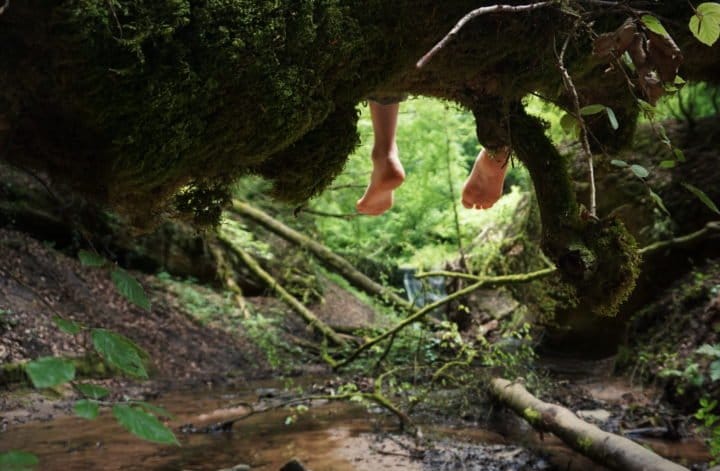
(472, 15)
(583, 128)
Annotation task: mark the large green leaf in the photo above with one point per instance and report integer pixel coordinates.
(92, 391)
(120, 352)
(91, 259)
(654, 25)
(705, 24)
(639, 171)
(153, 409)
(47, 372)
(715, 370)
(16, 460)
(702, 197)
(66, 325)
(87, 409)
(141, 424)
(591, 109)
(130, 288)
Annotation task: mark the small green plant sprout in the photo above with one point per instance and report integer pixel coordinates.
(712, 351)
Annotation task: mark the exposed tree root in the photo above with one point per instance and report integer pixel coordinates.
(308, 316)
(605, 448)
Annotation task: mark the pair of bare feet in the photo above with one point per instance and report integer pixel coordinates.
(482, 188)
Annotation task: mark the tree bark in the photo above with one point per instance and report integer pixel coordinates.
(325, 255)
(605, 448)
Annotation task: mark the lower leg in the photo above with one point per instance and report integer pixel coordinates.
(388, 172)
(484, 185)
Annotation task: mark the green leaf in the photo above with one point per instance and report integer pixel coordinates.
(87, 409)
(130, 288)
(709, 9)
(715, 370)
(654, 25)
(153, 409)
(91, 259)
(705, 28)
(570, 124)
(17, 460)
(92, 391)
(709, 350)
(613, 119)
(679, 155)
(668, 164)
(659, 202)
(619, 163)
(143, 425)
(120, 352)
(702, 197)
(47, 372)
(639, 171)
(67, 326)
(591, 109)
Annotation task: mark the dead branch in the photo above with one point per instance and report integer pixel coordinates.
(308, 316)
(419, 314)
(605, 448)
(469, 17)
(323, 254)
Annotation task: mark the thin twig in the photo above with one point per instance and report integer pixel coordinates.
(472, 15)
(709, 229)
(583, 128)
(6, 4)
(419, 314)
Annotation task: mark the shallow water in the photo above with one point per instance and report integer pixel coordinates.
(329, 437)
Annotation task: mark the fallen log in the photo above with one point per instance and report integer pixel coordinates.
(327, 257)
(605, 448)
(308, 316)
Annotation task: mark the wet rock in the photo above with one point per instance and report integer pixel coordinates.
(237, 467)
(599, 416)
(294, 465)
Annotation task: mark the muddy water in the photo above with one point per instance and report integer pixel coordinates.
(329, 437)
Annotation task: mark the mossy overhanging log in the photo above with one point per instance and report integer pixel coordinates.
(605, 448)
(156, 107)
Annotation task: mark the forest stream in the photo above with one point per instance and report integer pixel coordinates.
(337, 436)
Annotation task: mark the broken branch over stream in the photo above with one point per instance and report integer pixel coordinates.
(493, 281)
(308, 316)
(605, 448)
(325, 255)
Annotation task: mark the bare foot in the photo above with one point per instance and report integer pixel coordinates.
(387, 174)
(484, 185)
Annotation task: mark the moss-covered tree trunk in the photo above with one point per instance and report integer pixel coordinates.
(155, 106)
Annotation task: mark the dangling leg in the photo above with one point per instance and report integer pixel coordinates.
(388, 172)
(485, 184)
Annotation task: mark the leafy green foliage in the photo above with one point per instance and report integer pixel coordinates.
(86, 409)
(92, 391)
(705, 23)
(47, 372)
(654, 25)
(702, 197)
(16, 460)
(130, 288)
(67, 326)
(143, 424)
(91, 259)
(120, 352)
